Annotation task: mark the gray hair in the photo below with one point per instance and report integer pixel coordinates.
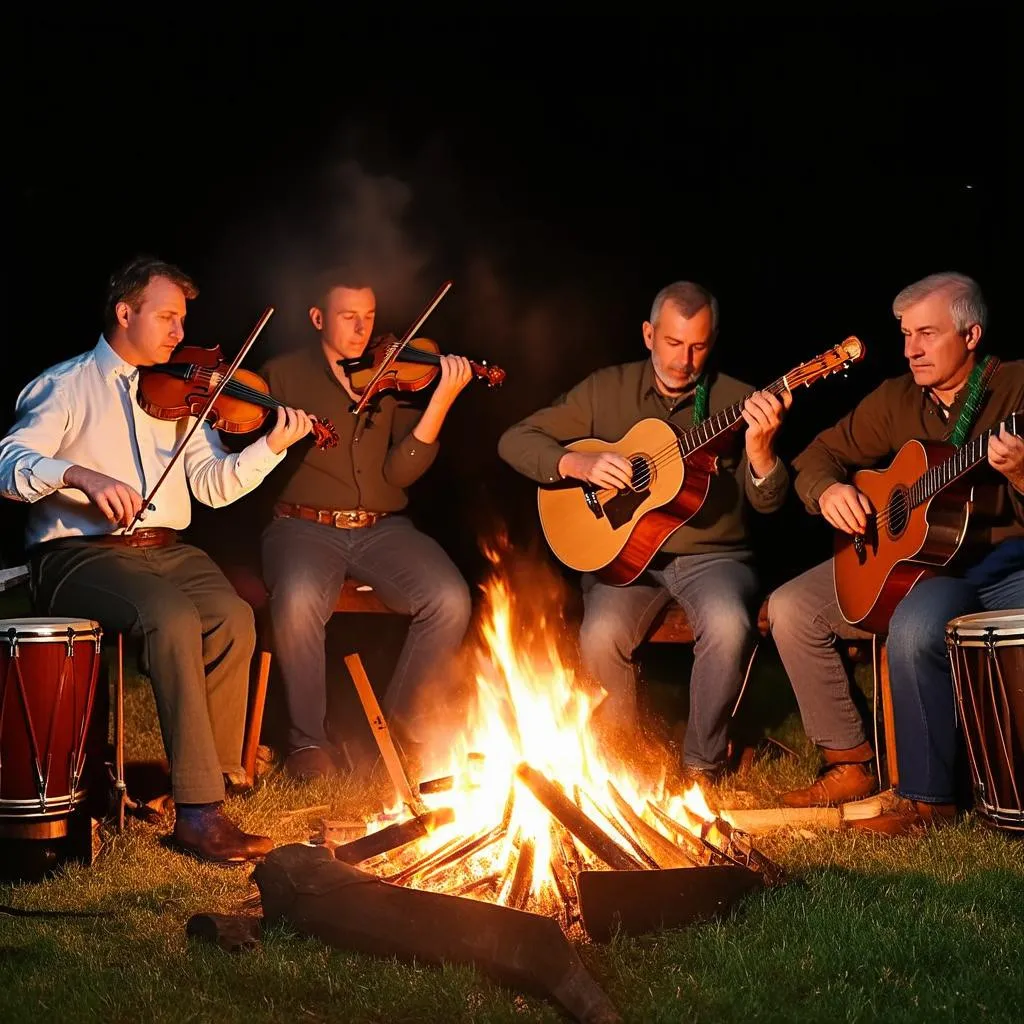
(966, 303)
(691, 298)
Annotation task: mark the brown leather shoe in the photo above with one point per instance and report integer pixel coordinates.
(901, 816)
(847, 775)
(220, 841)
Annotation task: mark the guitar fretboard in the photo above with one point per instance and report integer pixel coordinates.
(719, 422)
(963, 459)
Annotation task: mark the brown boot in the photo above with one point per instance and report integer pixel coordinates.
(901, 816)
(847, 775)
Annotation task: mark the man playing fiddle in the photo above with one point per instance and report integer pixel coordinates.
(81, 454)
(706, 565)
(948, 395)
(340, 513)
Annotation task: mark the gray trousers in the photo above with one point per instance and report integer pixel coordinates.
(719, 593)
(805, 622)
(198, 638)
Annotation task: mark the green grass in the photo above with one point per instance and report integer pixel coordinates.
(909, 929)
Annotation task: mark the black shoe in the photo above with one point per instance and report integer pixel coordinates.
(219, 841)
(309, 763)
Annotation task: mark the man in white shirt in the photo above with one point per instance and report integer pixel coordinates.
(82, 454)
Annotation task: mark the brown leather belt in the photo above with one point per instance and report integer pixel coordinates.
(343, 519)
(148, 537)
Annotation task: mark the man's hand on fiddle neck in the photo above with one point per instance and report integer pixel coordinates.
(291, 425)
(763, 413)
(1006, 456)
(456, 373)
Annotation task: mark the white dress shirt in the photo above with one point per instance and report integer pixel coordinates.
(84, 411)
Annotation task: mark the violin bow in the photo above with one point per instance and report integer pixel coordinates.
(397, 348)
(201, 416)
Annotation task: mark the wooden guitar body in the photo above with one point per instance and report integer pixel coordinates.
(903, 544)
(617, 535)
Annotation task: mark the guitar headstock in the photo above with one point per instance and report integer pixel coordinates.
(838, 358)
(325, 434)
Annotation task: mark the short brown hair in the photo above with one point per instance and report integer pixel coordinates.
(343, 275)
(129, 282)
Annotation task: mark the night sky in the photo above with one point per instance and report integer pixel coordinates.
(559, 170)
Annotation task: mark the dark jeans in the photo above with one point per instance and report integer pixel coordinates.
(197, 635)
(803, 617)
(719, 593)
(305, 565)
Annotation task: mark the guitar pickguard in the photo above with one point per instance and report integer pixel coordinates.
(621, 509)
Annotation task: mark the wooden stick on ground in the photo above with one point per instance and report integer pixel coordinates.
(379, 728)
(764, 819)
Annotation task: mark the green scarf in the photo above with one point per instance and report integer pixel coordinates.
(700, 401)
(975, 389)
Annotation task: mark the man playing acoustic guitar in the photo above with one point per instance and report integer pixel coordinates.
(951, 394)
(706, 564)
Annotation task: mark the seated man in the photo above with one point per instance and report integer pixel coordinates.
(82, 453)
(944, 397)
(706, 565)
(339, 513)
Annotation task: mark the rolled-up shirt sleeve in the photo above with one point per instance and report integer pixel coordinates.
(218, 477)
(29, 469)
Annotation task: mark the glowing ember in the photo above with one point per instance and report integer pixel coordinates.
(530, 709)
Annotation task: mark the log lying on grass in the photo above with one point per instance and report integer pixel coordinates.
(233, 932)
(766, 819)
(319, 896)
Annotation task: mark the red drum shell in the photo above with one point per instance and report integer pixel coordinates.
(48, 673)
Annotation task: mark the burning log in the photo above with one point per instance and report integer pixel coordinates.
(515, 889)
(732, 843)
(351, 909)
(451, 853)
(699, 849)
(566, 812)
(665, 853)
(394, 836)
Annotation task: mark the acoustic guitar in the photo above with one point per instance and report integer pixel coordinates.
(615, 533)
(922, 511)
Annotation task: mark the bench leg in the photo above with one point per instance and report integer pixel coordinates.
(254, 718)
(883, 700)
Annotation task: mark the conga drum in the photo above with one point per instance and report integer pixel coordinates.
(986, 652)
(48, 673)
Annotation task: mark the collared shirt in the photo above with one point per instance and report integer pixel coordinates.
(898, 411)
(607, 404)
(377, 456)
(85, 412)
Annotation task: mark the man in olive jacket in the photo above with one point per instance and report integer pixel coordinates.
(706, 565)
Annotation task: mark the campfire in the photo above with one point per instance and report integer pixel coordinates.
(532, 805)
(534, 832)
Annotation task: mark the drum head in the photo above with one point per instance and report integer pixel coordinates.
(981, 624)
(46, 626)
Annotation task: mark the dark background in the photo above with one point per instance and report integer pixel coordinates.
(559, 170)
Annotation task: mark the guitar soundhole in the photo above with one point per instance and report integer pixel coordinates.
(897, 513)
(644, 472)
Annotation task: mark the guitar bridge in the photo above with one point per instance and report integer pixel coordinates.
(590, 494)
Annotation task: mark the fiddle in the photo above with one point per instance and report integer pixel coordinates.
(416, 366)
(182, 387)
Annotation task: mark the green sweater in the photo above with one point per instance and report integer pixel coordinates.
(606, 405)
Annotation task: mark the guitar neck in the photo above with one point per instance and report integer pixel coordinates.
(719, 422)
(960, 462)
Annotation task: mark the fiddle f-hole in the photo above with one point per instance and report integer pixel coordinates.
(897, 513)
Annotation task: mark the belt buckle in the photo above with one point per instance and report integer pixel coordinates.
(351, 518)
